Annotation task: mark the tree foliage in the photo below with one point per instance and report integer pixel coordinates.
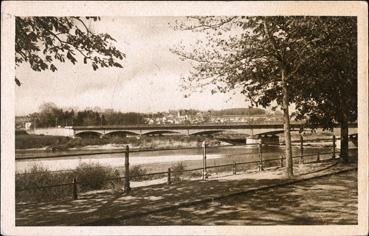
(257, 55)
(41, 41)
(238, 53)
(267, 60)
(326, 89)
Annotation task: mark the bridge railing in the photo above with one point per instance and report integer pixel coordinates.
(72, 187)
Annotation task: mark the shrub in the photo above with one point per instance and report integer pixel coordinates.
(93, 176)
(116, 182)
(135, 173)
(177, 170)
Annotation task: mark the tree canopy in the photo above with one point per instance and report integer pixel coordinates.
(40, 41)
(266, 59)
(327, 84)
(241, 53)
(326, 89)
(50, 115)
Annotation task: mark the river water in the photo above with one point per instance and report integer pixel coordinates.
(154, 161)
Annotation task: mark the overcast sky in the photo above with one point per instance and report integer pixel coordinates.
(149, 82)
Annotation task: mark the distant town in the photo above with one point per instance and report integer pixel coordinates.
(51, 116)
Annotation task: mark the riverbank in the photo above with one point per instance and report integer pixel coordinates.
(30, 142)
(112, 208)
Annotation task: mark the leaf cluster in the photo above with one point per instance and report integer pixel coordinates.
(40, 41)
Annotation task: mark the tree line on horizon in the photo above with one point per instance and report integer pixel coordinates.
(50, 115)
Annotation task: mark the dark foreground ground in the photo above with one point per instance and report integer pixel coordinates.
(327, 200)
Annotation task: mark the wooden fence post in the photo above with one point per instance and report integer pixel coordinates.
(261, 167)
(75, 194)
(169, 180)
(334, 146)
(127, 187)
(234, 168)
(204, 174)
(301, 150)
(318, 157)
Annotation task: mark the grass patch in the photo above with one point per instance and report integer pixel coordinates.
(27, 185)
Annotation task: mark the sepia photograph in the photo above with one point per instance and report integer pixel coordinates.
(177, 118)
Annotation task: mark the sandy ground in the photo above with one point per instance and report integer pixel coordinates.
(115, 208)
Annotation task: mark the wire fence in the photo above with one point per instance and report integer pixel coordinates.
(71, 186)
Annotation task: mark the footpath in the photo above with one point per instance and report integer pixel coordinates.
(106, 207)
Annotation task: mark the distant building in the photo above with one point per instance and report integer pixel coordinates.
(21, 122)
(27, 125)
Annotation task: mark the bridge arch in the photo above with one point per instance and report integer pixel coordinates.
(120, 133)
(88, 134)
(206, 132)
(160, 132)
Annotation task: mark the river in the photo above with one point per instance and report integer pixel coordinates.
(160, 160)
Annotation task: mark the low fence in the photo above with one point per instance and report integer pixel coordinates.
(118, 182)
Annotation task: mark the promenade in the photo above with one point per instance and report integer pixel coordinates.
(145, 202)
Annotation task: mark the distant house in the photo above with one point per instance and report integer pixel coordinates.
(27, 125)
(22, 122)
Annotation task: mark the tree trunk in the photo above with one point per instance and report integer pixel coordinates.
(344, 125)
(286, 126)
(344, 139)
(285, 104)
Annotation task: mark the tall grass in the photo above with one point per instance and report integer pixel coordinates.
(90, 176)
(29, 185)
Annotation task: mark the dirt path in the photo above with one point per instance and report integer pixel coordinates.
(327, 200)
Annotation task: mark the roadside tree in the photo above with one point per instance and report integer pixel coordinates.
(258, 56)
(326, 89)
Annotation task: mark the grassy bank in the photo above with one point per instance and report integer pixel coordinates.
(24, 141)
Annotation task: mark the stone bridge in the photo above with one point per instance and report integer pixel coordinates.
(152, 130)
